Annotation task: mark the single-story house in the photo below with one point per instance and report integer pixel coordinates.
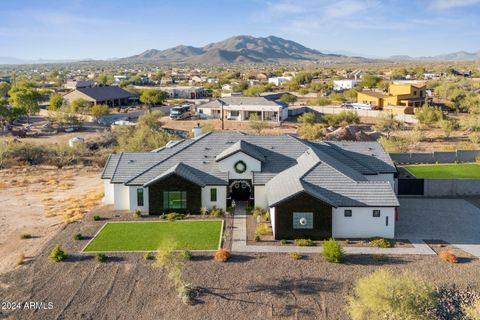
(311, 189)
(112, 96)
(76, 84)
(186, 92)
(279, 80)
(340, 85)
(241, 108)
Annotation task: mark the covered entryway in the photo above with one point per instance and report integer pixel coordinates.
(240, 190)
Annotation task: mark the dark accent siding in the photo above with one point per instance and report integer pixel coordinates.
(174, 183)
(322, 218)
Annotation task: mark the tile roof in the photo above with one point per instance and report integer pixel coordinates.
(241, 146)
(181, 170)
(106, 93)
(240, 100)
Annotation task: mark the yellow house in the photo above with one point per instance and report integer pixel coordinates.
(399, 95)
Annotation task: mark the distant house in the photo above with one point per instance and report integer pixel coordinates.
(340, 85)
(112, 96)
(76, 84)
(279, 80)
(401, 95)
(186, 92)
(241, 108)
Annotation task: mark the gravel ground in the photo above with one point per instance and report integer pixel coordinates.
(253, 286)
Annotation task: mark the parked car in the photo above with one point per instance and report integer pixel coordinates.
(362, 106)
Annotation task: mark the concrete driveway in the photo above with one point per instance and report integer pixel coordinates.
(456, 221)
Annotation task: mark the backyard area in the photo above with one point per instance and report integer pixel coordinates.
(151, 235)
(445, 171)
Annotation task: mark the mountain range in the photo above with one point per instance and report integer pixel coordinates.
(454, 56)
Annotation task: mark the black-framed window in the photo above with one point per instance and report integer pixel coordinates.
(140, 197)
(213, 194)
(376, 213)
(174, 199)
(347, 213)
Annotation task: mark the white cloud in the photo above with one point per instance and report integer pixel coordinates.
(285, 7)
(448, 4)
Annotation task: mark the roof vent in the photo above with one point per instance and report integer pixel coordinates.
(131, 161)
(272, 147)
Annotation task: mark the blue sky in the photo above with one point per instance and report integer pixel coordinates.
(75, 29)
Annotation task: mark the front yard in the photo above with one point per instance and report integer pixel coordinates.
(151, 235)
(445, 171)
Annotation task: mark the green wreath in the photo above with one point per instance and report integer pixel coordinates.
(240, 166)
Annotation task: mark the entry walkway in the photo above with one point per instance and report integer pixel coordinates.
(239, 242)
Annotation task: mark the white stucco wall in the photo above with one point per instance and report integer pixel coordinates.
(261, 197)
(362, 223)
(221, 197)
(108, 191)
(133, 199)
(272, 220)
(382, 177)
(121, 197)
(228, 163)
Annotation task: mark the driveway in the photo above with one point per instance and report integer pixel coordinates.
(456, 221)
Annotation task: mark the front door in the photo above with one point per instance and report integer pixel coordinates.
(240, 190)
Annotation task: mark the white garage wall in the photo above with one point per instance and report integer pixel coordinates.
(272, 220)
(121, 197)
(362, 223)
(228, 163)
(221, 197)
(382, 177)
(133, 199)
(261, 197)
(108, 191)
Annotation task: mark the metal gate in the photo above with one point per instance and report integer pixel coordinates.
(410, 187)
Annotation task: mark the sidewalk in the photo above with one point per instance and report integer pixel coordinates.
(239, 242)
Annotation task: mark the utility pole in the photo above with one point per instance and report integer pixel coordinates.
(221, 103)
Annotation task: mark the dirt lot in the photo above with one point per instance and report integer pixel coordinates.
(253, 286)
(37, 202)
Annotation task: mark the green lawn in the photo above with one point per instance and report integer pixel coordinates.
(445, 171)
(149, 236)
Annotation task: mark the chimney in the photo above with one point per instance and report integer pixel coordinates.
(197, 131)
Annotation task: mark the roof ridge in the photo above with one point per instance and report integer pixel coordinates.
(195, 140)
(116, 167)
(106, 165)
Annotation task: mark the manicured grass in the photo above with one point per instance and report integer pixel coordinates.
(149, 236)
(445, 171)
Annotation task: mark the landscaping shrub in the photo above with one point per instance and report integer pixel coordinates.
(222, 255)
(26, 236)
(295, 255)
(186, 255)
(399, 296)
(448, 256)
(148, 256)
(259, 212)
(332, 251)
(96, 218)
(283, 242)
(380, 243)
(77, 236)
(304, 242)
(262, 230)
(100, 257)
(216, 212)
(57, 254)
(138, 213)
(257, 238)
(173, 216)
(230, 210)
(203, 211)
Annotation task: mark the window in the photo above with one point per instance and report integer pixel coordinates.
(347, 213)
(234, 113)
(140, 197)
(376, 213)
(213, 194)
(414, 93)
(386, 220)
(174, 200)
(303, 220)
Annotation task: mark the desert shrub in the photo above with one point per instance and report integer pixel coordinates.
(222, 255)
(77, 236)
(427, 115)
(262, 230)
(448, 256)
(295, 255)
(148, 256)
(304, 242)
(348, 117)
(399, 296)
(310, 131)
(25, 236)
(283, 242)
(380, 243)
(173, 216)
(332, 251)
(62, 155)
(57, 254)
(186, 255)
(257, 238)
(20, 260)
(100, 110)
(260, 212)
(473, 311)
(96, 218)
(100, 257)
(216, 212)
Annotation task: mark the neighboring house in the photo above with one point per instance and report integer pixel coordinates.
(341, 85)
(186, 92)
(112, 96)
(77, 84)
(399, 95)
(279, 80)
(312, 189)
(241, 108)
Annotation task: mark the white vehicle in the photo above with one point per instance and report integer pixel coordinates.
(181, 112)
(362, 106)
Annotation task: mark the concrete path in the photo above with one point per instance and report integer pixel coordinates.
(239, 242)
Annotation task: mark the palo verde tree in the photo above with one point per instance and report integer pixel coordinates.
(152, 97)
(25, 98)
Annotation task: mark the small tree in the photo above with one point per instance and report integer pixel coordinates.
(427, 115)
(307, 118)
(257, 124)
(100, 110)
(310, 131)
(288, 98)
(381, 293)
(80, 106)
(447, 127)
(56, 102)
(332, 251)
(152, 97)
(387, 122)
(25, 97)
(370, 81)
